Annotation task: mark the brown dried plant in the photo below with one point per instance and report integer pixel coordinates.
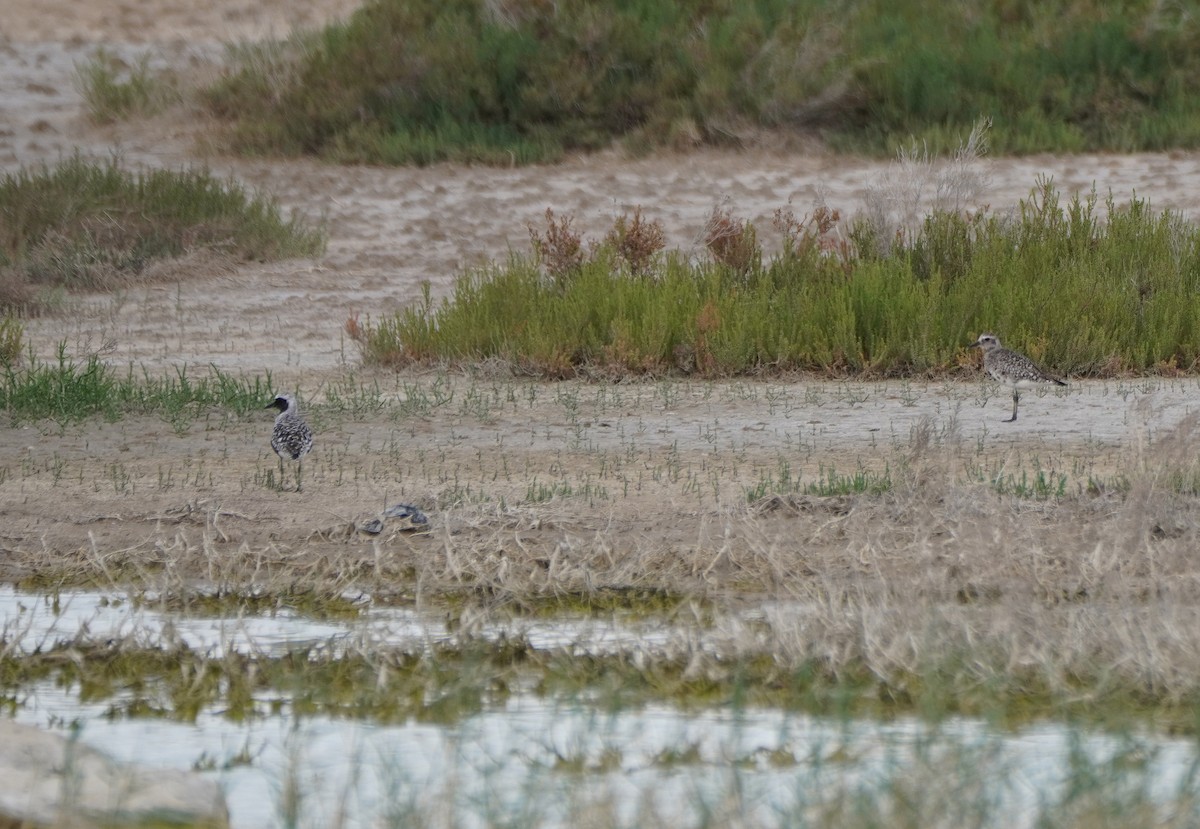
(636, 241)
(560, 248)
(354, 329)
(816, 233)
(732, 242)
(708, 321)
(15, 290)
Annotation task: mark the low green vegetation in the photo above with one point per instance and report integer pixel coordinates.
(449, 681)
(114, 89)
(94, 225)
(69, 390)
(418, 81)
(1085, 291)
(12, 334)
(828, 483)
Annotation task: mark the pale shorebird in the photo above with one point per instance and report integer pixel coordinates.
(1012, 369)
(291, 438)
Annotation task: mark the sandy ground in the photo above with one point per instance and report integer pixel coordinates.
(654, 462)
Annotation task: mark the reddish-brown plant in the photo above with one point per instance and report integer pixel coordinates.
(559, 249)
(637, 241)
(732, 242)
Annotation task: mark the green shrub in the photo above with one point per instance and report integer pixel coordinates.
(1082, 295)
(417, 82)
(421, 81)
(519, 81)
(1063, 76)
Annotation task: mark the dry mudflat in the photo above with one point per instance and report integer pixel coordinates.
(533, 485)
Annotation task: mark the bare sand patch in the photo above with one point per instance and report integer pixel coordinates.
(539, 487)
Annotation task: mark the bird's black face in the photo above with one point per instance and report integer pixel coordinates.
(277, 403)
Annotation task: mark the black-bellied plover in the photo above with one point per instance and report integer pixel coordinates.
(291, 438)
(1012, 369)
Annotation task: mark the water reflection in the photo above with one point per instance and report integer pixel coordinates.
(544, 762)
(31, 621)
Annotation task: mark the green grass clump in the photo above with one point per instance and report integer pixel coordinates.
(93, 225)
(829, 483)
(1083, 295)
(1042, 485)
(114, 89)
(1065, 77)
(68, 390)
(418, 81)
(12, 332)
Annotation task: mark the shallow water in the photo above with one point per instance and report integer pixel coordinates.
(31, 621)
(537, 761)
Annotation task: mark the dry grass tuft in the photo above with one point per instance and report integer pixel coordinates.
(732, 242)
(919, 184)
(15, 290)
(817, 232)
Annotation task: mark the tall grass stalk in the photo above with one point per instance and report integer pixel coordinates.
(12, 334)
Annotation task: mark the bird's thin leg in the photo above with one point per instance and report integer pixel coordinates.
(299, 472)
(1016, 397)
(280, 484)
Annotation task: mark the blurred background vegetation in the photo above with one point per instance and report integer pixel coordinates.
(519, 81)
